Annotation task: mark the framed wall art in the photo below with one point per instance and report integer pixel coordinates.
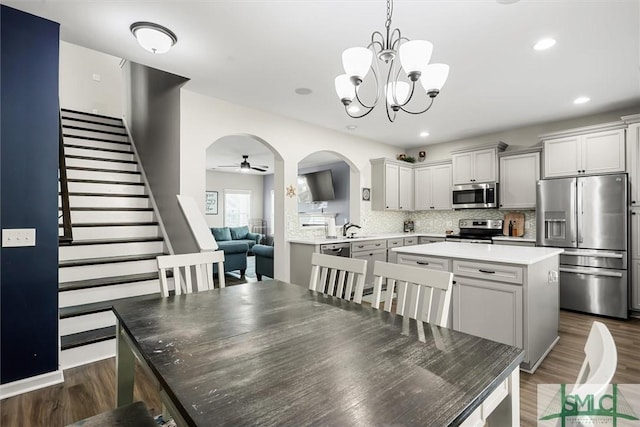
(211, 203)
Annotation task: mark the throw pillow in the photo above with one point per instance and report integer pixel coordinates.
(221, 234)
(238, 233)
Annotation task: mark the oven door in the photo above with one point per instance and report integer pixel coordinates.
(474, 196)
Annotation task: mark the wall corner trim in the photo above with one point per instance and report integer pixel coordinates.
(32, 383)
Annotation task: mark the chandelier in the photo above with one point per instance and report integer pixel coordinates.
(397, 92)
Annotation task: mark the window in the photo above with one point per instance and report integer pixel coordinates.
(237, 207)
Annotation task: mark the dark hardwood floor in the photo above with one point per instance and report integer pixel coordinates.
(90, 389)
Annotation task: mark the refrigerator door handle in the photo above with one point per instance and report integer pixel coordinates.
(596, 255)
(591, 272)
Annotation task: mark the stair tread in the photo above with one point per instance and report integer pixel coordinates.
(143, 196)
(97, 307)
(109, 209)
(113, 224)
(93, 130)
(87, 337)
(102, 181)
(93, 122)
(107, 260)
(84, 168)
(69, 110)
(93, 138)
(74, 156)
(113, 241)
(89, 147)
(106, 281)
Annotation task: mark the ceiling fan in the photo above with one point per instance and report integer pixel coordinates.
(246, 166)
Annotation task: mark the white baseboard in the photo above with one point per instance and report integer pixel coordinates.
(31, 383)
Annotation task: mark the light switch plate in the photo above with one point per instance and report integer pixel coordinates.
(17, 237)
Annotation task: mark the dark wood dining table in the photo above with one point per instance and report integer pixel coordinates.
(276, 354)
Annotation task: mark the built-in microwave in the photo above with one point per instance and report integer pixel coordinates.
(475, 196)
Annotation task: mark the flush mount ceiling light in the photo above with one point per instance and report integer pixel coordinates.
(544, 44)
(153, 37)
(397, 92)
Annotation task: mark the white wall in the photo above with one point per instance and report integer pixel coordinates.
(78, 89)
(519, 138)
(220, 181)
(204, 120)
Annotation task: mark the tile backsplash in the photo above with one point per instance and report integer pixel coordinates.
(376, 222)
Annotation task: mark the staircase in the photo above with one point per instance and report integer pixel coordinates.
(116, 236)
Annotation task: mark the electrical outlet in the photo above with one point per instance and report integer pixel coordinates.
(17, 237)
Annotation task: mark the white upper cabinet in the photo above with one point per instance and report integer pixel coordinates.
(391, 185)
(476, 166)
(518, 176)
(585, 151)
(433, 187)
(633, 157)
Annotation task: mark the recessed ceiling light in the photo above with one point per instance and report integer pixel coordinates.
(353, 109)
(581, 100)
(153, 37)
(303, 91)
(424, 134)
(352, 127)
(544, 44)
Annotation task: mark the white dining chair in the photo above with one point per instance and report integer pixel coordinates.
(421, 294)
(600, 362)
(338, 276)
(182, 266)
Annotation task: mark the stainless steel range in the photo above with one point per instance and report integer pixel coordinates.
(477, 231)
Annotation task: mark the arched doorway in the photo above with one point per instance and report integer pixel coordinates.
(245, 187)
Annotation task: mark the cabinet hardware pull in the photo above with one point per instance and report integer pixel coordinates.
(422, 263)
(486, 271)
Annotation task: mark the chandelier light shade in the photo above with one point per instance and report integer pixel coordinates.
(153, 37)
(399, 87)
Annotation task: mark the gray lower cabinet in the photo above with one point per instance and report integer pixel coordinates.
(425, 239)
(371, 251)
(501, 316)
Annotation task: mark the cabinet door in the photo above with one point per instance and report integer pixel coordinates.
(405, 188)
(518, 177)
(423, 193)
(488, 310)
(635, 284)
(391, 186)
(441, 187)
(603, 152)
(484, 165)
(635, 234)
(562, 157)
(462, 168)
(633, 146)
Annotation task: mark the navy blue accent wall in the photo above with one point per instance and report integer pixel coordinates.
(29, 194)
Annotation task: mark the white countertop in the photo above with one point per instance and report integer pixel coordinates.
(515, 239)
(523, 255)
(340, 239)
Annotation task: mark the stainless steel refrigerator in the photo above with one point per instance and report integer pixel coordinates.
(588, 216)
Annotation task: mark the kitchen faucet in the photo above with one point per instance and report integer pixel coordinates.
(347, 226)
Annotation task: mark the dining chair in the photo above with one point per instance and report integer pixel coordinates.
(421, 294)
(337, 276)
(600, 362)
(182, 266)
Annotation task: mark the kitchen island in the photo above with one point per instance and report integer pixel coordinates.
(504, 293)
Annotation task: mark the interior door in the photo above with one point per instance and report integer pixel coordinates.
(602, 212)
